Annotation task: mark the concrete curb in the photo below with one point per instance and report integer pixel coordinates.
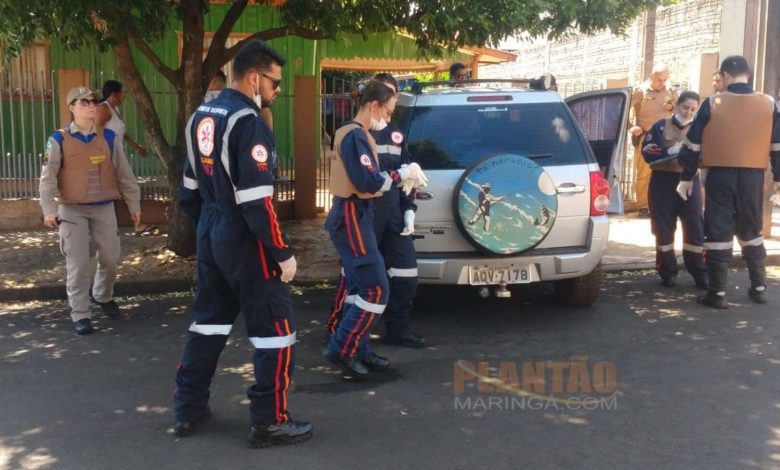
(56, 291)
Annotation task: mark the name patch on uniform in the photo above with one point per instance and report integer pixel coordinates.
(365, 160)
(259, 153)
(97, 159)
(207, 164)
(205, 136)
(397, 137)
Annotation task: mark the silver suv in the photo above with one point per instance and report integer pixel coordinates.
(520, 184)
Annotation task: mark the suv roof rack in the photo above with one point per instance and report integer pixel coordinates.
(418, 87)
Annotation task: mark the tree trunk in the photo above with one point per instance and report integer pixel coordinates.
(181, 229)
(189, 94)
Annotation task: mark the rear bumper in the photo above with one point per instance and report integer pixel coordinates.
(551, 263)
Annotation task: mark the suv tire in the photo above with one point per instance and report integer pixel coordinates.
(579, 291)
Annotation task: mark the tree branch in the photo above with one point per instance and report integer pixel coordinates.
(217, 47)
(134, 82)
(166, 71)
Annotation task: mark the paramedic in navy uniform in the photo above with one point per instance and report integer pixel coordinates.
(244, 261)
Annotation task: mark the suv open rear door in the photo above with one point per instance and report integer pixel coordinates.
(603, 118)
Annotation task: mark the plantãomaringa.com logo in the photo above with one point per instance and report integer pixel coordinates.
(572, 384)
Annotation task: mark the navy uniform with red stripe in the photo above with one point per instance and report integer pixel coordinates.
(734, 136)
(350, 224)
(397, 250)
(666, 206)
(228, 191)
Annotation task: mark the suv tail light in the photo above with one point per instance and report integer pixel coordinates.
(599, 193)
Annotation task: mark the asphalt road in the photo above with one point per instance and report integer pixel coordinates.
(644, 379)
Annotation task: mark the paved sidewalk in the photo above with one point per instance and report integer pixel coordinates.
(631, 247)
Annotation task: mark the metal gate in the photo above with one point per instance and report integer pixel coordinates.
(338, 105)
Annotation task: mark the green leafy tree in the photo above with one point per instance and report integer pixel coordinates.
(121, 25)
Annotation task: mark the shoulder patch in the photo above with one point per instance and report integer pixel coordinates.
(649, 137)
(259, 153)
(365, 160)
(397, 137)
(205, 136)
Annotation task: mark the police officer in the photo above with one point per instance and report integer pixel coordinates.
(651, 101)
(86, 169)
(393, 226)
(661, 145)
(356, 180)
(733, 137)
(244, 260)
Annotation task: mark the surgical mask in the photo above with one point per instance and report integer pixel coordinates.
(377, 124)
(257, 98)
(681, 120)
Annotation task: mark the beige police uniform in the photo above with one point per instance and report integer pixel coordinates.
(648, 108)
(79, 182)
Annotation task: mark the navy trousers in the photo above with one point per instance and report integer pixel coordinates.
(666, 207)
(350, 225)
(236, 275)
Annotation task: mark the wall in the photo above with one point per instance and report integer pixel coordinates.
(683, 32)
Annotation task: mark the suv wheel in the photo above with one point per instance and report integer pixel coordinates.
(579, 291)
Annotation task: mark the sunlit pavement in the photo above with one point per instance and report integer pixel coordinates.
(646, 378)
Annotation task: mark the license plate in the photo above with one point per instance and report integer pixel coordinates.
(491, 275)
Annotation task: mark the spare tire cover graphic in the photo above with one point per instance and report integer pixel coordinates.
(505, 204)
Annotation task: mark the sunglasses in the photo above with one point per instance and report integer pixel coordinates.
(86, 102)
(275, 82)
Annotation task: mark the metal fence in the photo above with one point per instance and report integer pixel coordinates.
(29, 112)
(337, 106)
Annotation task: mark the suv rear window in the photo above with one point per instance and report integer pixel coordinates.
(452, 137)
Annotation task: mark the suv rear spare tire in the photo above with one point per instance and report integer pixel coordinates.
(505, 204)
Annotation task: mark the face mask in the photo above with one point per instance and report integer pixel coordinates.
(377, 124)
(257, 98)
(681, 120)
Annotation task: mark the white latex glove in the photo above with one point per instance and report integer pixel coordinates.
(408, 223)
(685, 189)
(675, 149)
(288, 269)
(412, 176)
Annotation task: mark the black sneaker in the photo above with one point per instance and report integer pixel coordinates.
(110, 308)
(668, 282)
(758, 296)
(644, 213)
(187, 428)
(83, 326)
(285, 434)
(713, 300)
(406, 339)
(375, 362)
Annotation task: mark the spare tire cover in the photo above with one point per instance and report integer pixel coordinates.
(505, 204)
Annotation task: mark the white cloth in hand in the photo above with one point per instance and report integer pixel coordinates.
(675, 149)
(685, 189)
(412, 177)
(408, 223)
(288, 267)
